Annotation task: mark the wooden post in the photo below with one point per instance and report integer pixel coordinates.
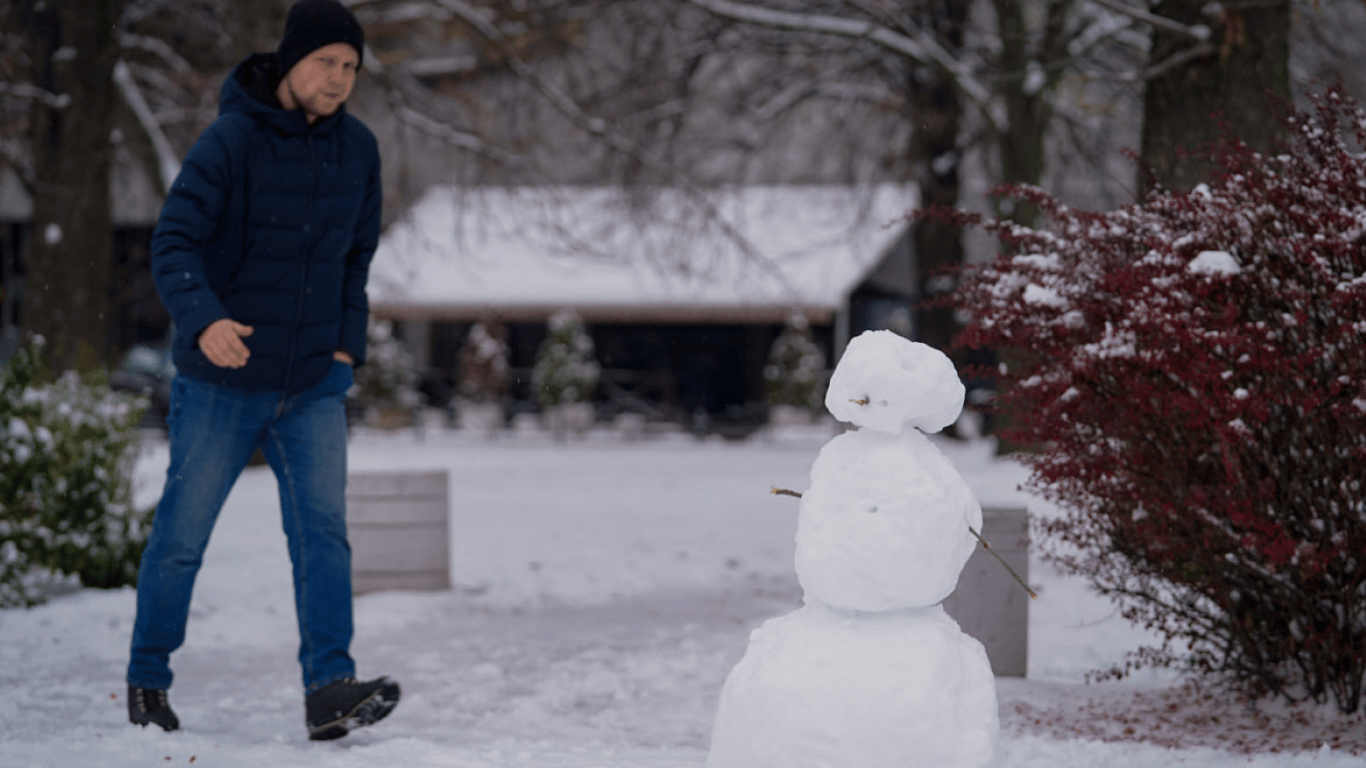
(398, 524)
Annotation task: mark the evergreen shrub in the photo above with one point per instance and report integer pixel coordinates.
(564, 371)
(66, 496)
(795, 367)
(389, 376)
(1191, 373)
(483, 374)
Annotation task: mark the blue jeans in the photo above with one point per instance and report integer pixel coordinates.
(214, 431)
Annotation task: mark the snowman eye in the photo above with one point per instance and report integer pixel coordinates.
(873, 509)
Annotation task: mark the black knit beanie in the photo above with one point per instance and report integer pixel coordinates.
(312, 24)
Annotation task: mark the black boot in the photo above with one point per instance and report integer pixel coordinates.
(149, 705)
(338, 707)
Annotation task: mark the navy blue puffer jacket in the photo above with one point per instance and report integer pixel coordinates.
(272, 222)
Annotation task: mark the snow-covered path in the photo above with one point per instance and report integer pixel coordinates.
(602, 592)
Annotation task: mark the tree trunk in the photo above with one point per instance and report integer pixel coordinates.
(1021, 144)
(68, 257)
(257, 25)
(1020, 148)
(937, 110)
(1184, 106)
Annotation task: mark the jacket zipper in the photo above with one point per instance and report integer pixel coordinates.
(303, 268)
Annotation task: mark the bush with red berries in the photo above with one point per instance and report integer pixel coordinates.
(1190, 372)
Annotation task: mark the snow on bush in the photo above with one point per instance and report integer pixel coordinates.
(389, 376)
(795, 367)
(66, 504)
(564, 371)
(1191, 371)
(482, 374)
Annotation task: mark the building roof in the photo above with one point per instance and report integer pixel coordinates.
(522, 253)
(134, 199)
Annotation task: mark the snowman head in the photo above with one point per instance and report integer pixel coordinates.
(889, 383)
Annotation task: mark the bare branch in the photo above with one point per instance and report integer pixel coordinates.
(432, 66)
(30, 91)
(985, 545)
(1198, 32)
(412, 107)
(167, 162)
(157, 82)
(1175, 60)
(175, 115)
(921, 48)
(14, 155)
(475, 17)
(158, 48)
(399, 13)
(602, 130)
(455, 137)
(1107, 28)
(798, 92)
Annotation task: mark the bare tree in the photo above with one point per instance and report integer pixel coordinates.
(1325, 46)
(644, 93)
(1221, 66)
(72, 72)
(68, 84)
(948, 78)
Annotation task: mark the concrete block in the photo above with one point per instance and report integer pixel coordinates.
(398, 525)
(988, 603)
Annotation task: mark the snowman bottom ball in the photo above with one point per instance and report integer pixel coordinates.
(821, 688)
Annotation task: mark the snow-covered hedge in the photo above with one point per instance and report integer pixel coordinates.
(564, 371)
(795, 368)
(1191, 371)
(483, 374)
(66, 504)
(389, 376)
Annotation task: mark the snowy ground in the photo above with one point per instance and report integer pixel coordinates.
(602, 591)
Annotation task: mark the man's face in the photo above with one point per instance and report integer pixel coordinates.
(322, 80)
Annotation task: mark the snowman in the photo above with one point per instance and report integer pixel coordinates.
(871, 672)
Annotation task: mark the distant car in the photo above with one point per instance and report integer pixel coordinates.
(147, 370)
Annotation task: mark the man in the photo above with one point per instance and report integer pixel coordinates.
(261, 255)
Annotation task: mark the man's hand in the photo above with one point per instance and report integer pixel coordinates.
(344, 357)
(222, 343)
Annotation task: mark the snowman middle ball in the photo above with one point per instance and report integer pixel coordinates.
(884, 524)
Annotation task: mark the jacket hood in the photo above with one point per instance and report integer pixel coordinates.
(251, 89)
